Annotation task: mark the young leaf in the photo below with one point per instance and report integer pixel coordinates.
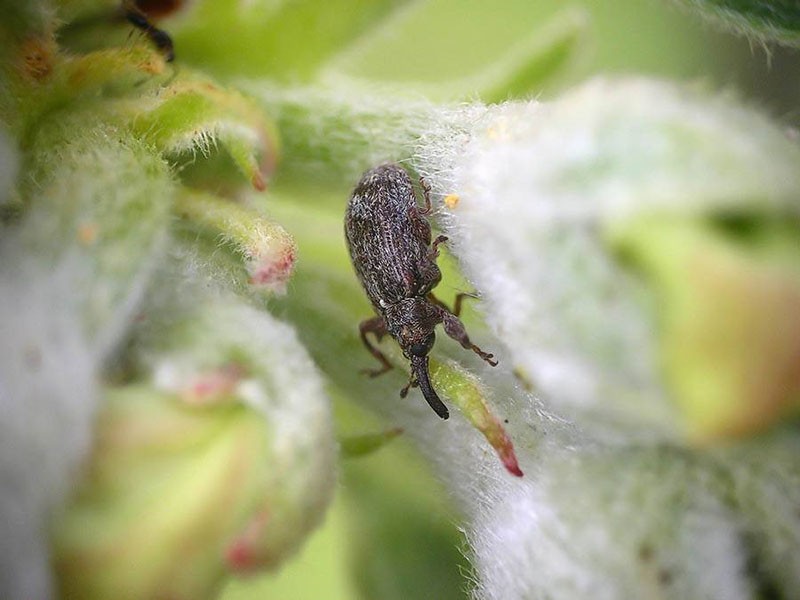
(764, 20)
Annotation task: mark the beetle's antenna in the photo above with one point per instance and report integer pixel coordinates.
(419, 365)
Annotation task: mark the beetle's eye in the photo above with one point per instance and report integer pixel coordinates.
(418, 349)
(424, 347)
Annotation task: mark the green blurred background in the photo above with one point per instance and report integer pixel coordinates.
(428, 45)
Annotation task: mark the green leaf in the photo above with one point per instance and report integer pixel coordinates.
(765, 20)
(193, 114)
(354, 446)
(495, 50)
(286, 40)
(434, 47)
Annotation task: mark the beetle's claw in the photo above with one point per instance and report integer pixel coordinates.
(411, 383)
(485, 356)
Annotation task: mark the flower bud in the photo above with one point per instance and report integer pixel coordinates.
(221, 465)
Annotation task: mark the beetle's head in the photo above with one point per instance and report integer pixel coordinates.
(411, 322)
(419, 347)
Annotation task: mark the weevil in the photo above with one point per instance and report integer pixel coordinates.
(389, 239)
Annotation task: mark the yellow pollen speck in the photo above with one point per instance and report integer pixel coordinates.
(87, 233)
(451, 200)
(498, 131)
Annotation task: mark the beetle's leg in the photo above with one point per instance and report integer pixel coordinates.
(437, 302)
(426, 194)
(459, 300)
(412, 382)
(159, 37)
(434, 250)
(377, 326)
(456, 304)
(455, 329)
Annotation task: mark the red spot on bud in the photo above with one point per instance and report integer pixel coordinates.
(242, 555)
(214, 385)
(274, 273)
(258, 181)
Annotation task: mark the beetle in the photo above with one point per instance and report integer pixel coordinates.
(138, 18)
(389, 240)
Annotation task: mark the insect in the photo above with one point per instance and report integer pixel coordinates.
(390, 246)
(136, 13)
(137, 17)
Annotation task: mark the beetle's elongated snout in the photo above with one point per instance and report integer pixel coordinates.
(419, 365)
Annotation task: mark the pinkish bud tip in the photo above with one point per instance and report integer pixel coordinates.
(258, 181)
(501, 442)
(510, 462)
(274, 273)
(241, 555)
